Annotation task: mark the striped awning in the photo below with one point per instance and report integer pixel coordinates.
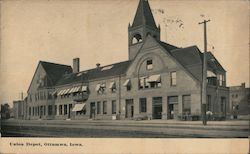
(78, 107)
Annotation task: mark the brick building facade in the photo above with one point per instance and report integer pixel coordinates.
(158, 81)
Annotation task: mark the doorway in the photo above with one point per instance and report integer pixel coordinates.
(173, 107)
(157, 107)
(129, 108)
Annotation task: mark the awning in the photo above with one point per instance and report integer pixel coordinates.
(112, 85)
(71, 90)
(78, 88)
(66, 91)
(98, 86)
(154, 78)
(61, 92)
(84, 88)
(126, 82)
(210, 74)
(78, 107)
(54, 92)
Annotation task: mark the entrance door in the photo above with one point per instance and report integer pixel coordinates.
(129, 108)
(92, 110)
(157, 107)
(172, 107)
(171, 111)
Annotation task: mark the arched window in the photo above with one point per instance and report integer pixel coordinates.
(136, 39)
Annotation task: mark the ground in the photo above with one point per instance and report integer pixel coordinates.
(125, 128)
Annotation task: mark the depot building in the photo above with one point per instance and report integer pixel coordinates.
(158, 81)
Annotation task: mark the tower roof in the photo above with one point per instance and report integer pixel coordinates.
(144, 15)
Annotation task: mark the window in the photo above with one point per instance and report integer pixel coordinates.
(50, 110)
(30, 98)
(104, 107)
(70, 107)
(173, 78)
(223, 103)
(60, 110)
(65, 109)
(143, 105)
(112, 87)
(29, 111)
(127, 84)
(209, 107)
(55, 110)
(222, 80)
(44, 108)
(100, 88)
(113, 106)
(186, 104)
(153, 81)
(98, 107)
(38, 108)
(33, 111)
(149, 65)
(136, 39)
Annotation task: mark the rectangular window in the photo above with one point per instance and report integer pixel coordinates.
(33, 111)
(143, 104)
(186, 104)
(60, 110)
(223, 103)
(55, 110)
(30, 111)
(149, 64)
(50, 110)
(65, 109)
(209, 107)
(98, 107)
(38, 108)
(70, 107)
(153, 81)
(104, 107)
(173, 78)
(113, 106)
(44, 108)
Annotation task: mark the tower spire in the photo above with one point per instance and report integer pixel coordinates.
(144, 15)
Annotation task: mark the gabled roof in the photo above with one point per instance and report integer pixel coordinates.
(191, 59)
(96, 73)
(144, 15)
(55, 71)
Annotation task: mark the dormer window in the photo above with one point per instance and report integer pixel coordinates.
(112, 87)
(127, 84)
(149, 64)
(100, 88)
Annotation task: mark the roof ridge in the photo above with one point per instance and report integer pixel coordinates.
(53, 63)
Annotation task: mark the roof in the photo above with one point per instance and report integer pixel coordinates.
(96, 73)
(55, 71)
(144, 15)
(191, 59)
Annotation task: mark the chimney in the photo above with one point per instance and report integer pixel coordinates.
(76, 65)
(98, 65)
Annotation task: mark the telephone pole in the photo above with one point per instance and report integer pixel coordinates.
(204, 75)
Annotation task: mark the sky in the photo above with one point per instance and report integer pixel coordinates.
(96, 31)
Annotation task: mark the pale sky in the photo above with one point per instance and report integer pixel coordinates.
(96, 31)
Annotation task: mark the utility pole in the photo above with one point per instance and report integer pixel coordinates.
(204, 75)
